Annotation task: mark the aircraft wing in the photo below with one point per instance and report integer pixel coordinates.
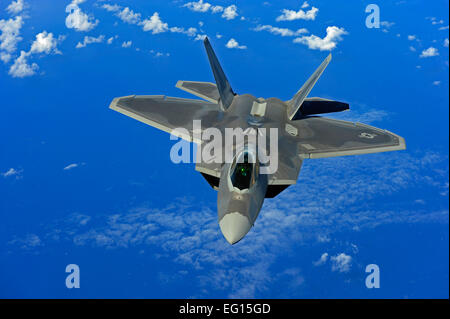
(167, 113)
(323, 137)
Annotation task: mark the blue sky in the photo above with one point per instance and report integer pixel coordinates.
(82, 184)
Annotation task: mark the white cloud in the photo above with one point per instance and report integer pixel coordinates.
(127, 44)
(216, 9)
(341, 262)
(230, 12)
(411, 37)
(88, 40)
(111, 8)
(200, 37)
(111, 39)
(45, 43)
(305, 5)
(367, 115)
(445, 42)
(199, 6)
(159, 54)
(11, 172)
(21, 68)
(322, 260)
(413, 49)
(10, 34)
(445, 191)
(81, 219)
(323, 238)
(436, 83)
(154, 24)
(233, 44)
(77, 19)
(328, 43)
(71, 166)
(284, 32)
(434, 22)
(127, 15)
(387, 24)
(190, 32)
(30, 242)
(290, 15)
(5, 57)
(16, 7)
(443, 28)
(430, 52)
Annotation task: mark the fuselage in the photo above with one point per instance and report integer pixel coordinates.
(243, 185)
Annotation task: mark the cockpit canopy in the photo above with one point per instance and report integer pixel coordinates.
(244, 170)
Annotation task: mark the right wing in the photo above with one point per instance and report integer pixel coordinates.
(168, 113)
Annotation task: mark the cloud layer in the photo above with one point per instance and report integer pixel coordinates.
(332, 196)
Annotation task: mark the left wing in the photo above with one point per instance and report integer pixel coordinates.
(167, 113)
(323, 137)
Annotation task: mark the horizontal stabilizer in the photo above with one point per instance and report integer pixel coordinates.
(315, 105)
(205, 90)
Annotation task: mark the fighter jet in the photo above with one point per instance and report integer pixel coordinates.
(302, 134)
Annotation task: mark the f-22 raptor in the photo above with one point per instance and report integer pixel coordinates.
(302, 134)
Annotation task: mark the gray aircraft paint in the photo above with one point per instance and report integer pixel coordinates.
(299, 137)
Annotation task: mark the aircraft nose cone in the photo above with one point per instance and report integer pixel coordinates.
(234, 227)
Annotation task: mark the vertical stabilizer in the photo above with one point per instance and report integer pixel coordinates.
(295, 103)
(225, 91)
